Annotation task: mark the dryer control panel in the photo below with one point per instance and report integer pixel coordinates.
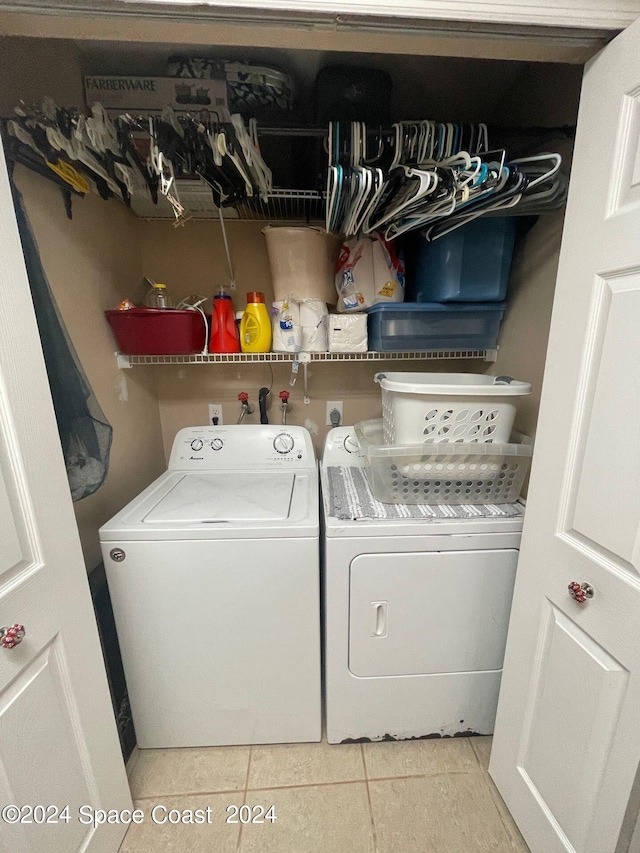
(242, 447)
(341, 448)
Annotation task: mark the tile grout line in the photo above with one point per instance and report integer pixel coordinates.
(424, 775)
(364, 762)
(245, 789)
(131, 763)
(360, 781)
(190, 794)
(244, 798)
(475, 752)
(309, 785)
(492, 793)
(371, 818)
(246, 781)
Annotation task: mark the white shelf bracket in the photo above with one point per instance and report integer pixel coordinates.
(491, 355)
(124, 362)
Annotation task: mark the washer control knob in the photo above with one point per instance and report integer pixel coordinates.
(351, 444)
(217, 444)
(197, 444)
(283, 443)
(117, 555)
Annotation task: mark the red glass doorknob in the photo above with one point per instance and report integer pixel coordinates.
(12, 636)
(580, 592)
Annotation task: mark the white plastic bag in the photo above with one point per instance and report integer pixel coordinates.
(369, 271)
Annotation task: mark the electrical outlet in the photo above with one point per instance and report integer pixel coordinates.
(337, 405)
(215, 414)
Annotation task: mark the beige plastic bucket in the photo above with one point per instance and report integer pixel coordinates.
(302, 262)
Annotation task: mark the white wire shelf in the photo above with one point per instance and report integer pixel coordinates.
(281, 205)
(125, 361)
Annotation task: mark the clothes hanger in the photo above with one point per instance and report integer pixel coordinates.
(414, 185)
(506, 195)
(380, 145)
(64, 170)
(260, 173)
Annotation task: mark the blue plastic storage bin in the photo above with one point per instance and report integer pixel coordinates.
(406, 326)
(471, 264)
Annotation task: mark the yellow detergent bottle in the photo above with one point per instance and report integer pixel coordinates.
(255, 326)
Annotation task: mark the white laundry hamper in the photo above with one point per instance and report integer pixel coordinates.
(467, 408)
(452, 473)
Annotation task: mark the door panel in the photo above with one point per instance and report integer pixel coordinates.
(566, 750)
(58, 739)
(10, 550)
(16, 552)
(607, 504)
(579, 677)
(39, 696)
(431, 612)
(625, 186)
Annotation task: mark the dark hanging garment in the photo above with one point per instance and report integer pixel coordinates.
(85, 434)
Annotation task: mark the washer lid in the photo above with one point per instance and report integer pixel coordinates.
(220, 505)
(225, 496)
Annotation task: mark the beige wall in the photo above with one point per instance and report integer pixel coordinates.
(185, 392)
(92, 263)
(525, 329)
(30, 69)
(191, 260)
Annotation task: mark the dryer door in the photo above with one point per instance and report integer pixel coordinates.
(431, 612)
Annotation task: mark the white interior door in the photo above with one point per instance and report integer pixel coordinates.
(566, 752)
(58, 739)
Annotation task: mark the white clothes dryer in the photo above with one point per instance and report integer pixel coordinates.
(213, 572)
(415, 610)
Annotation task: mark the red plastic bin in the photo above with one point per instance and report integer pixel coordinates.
(158, 331)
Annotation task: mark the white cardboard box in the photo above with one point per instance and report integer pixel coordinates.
(133, 94)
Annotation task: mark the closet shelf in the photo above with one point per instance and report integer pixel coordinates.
(282, 205)
(125, 361)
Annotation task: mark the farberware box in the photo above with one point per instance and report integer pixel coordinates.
(153, 93)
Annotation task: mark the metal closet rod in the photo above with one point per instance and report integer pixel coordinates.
(565, 129)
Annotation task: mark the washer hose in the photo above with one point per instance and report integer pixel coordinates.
(263, 393)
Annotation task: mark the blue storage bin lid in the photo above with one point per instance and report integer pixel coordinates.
(415, 307)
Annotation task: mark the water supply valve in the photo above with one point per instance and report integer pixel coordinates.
(285, 405)
(246, 408)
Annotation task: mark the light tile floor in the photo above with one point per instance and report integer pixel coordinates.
(427, 796)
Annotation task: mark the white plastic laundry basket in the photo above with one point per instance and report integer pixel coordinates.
(437, 474)
(466, 408)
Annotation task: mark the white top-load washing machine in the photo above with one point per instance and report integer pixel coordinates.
(213, 572)
(415, 610)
